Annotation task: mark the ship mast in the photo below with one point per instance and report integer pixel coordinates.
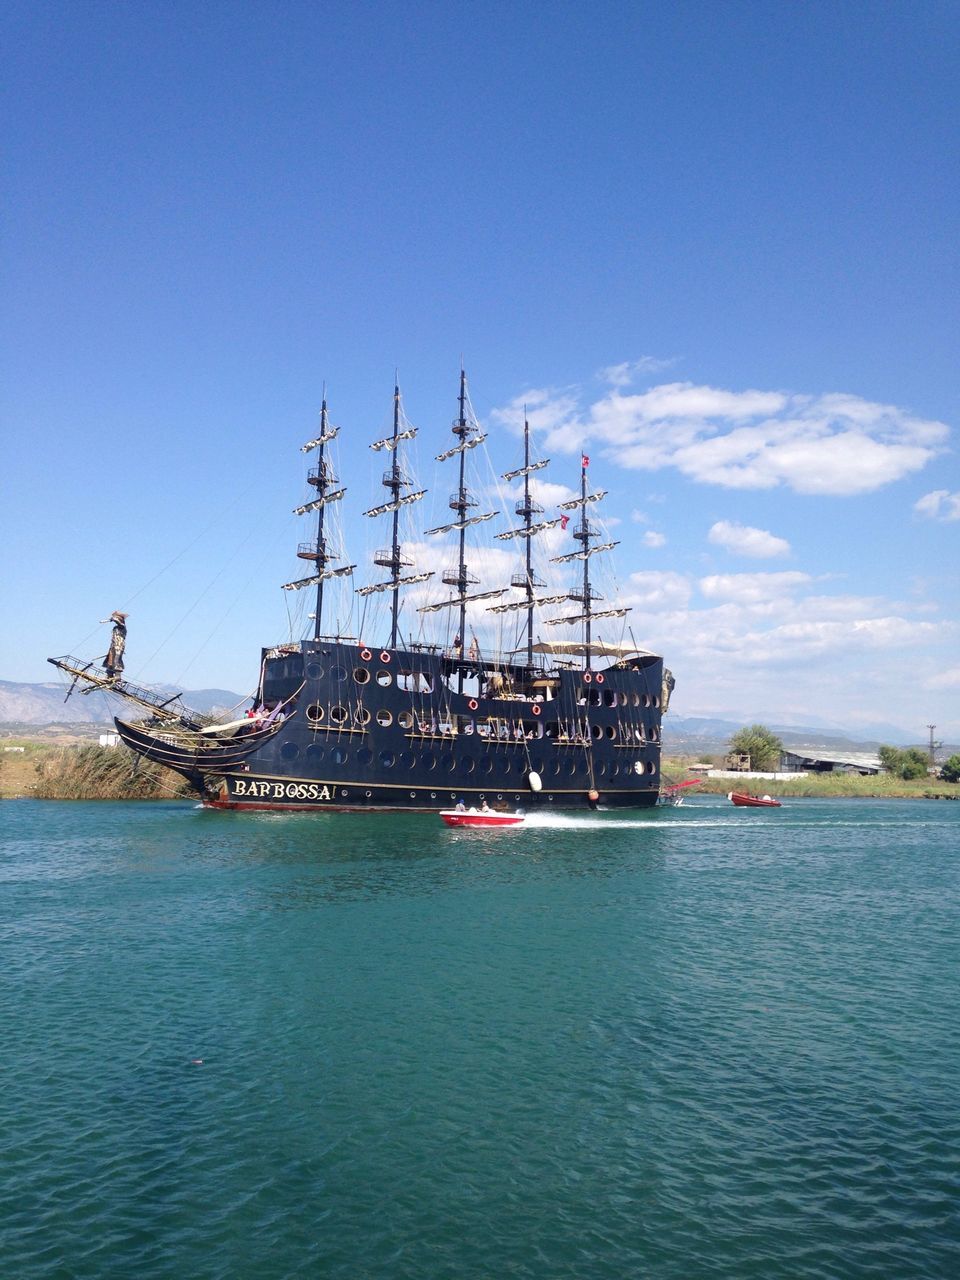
(468, 436)
(392, 557)
(527, 508)
(584, 534)
(322, 479)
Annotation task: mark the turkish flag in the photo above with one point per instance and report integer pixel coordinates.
(584, 461)
(564, 521)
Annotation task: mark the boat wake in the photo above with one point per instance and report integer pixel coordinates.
(612, 822)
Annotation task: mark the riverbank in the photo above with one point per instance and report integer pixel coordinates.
(82, 771)
(827, 786)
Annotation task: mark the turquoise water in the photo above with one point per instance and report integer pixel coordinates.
(692, 1043)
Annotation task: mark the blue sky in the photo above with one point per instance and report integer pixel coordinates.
(714, 244)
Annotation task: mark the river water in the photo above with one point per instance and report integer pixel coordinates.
(690, 1043)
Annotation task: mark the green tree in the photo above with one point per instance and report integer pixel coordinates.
(760, 744)
(951, 769)
(906, 764)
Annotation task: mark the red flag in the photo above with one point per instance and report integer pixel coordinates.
(564, 521)
(584, 461)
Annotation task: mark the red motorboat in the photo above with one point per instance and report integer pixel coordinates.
(746, 801)
(480, 818)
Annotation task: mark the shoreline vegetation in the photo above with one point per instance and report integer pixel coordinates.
(87, 771)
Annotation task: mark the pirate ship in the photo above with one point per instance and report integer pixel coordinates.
(396, 723)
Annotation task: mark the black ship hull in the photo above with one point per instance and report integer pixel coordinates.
(419, 729)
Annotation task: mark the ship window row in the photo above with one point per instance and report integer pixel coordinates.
(491, 728)
(411, 681)
(465, 765)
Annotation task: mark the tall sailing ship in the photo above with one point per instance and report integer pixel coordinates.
(343, 722)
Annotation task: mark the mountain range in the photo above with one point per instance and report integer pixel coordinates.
(41, 705)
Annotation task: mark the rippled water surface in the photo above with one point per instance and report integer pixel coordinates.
(698, 1042)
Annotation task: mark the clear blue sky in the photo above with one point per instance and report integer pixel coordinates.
(714, 243)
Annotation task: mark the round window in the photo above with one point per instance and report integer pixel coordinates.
(338, 714)
(388, 759)
(384, 678)
(361, 675)
(405, 719)
(384, 718)
(315, 713)
(314, 751)
(314, 671)
(289, 751)
(337, 673)
(364, 756)
(338, 755)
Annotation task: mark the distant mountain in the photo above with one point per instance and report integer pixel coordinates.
(43, 704)
(709, 735)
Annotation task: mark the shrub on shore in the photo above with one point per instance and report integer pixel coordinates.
(92, 772)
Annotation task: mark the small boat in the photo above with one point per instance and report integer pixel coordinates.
(746, 801)
(481, 818)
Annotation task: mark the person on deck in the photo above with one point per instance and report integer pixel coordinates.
(113, 661)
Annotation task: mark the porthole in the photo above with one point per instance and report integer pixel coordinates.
(405, 719)
(486, 765)
(571, 767)
(364, 756)
(314, 671)
(601, 768)
(594, 697)
(344, 793)
(609, 698)
(338, 755)
(651, 767)
(506, 766)
(407, 760)
(315, 713)
(597, 731)
(413, 795)
(428, 760)
(361, 675)
(289, 751)
(467, 764)
(555, 766)
(362, 715)
(338, 715)
(384, 678)
(614, 769)
(449, 763)
(368, 794)
(433, 795)
(314, 752)
(499, 797)
(611, 731)
(338, 673)
(656, 699)
(384, 718)
(388, 759)
(634, 699)
(646, 700)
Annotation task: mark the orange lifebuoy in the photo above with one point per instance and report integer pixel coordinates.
(587, 677)
(599, 678)
(593, 796)
(384, 656)
(535, 709)
(473, 704)
(366, 655)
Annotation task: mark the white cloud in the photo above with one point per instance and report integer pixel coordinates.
(834, 444)
(650, 589)
(746, 540)
(941, 504)
(752, 588)
(639, 517)
(653, 539)
(948, 679)
(621, 375)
